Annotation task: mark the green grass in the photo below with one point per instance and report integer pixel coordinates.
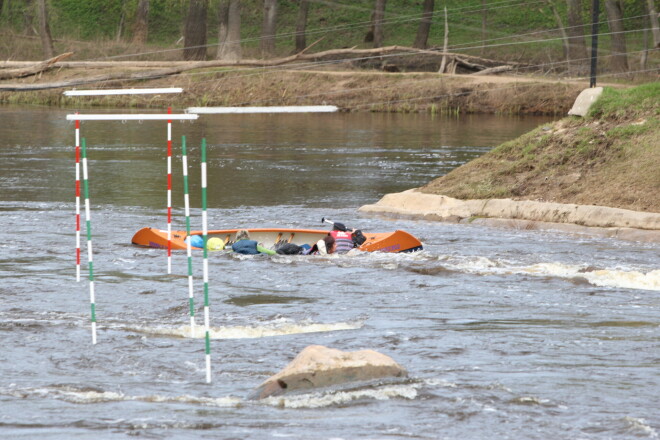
(630, 102)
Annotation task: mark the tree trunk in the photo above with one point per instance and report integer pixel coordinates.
(653, 16)
(484, 22)
(424, 25)
(223, 27)
(232, 47)
(619, 58)
(122, 19)
(301, 26)
(44, 31)
(445, 46)
(141, 28)
(195, 31)
(268, 28)
(577, 50)
(28, 18)
(643, 61)
(379, 14)
(562, 28)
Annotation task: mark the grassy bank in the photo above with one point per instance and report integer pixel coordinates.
(609, 158)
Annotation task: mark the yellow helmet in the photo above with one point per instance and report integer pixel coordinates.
(215, 244)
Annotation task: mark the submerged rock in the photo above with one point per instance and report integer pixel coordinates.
(318, 366)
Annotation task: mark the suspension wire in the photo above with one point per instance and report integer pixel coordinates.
(253, 70)
(476, 45)
(260, 70)
(308, 32)
(459, 46)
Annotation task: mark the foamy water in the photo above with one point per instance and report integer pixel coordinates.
(277, 328)
(628, 279)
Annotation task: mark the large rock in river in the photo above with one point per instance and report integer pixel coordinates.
(318, 366)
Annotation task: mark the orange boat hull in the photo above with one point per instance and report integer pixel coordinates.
(397, 241)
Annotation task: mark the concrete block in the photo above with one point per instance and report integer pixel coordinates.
(585, 100)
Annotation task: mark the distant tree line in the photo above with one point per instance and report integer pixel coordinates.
(137, 20)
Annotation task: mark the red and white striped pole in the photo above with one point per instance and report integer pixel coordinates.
(169, 192)
(77, 200)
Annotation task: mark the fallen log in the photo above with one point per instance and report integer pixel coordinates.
(187, 66)
(33, 69)
(498, 69)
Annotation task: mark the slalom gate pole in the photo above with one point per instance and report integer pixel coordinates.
(169, 192)
(205, 232)
(77, 201)
(186, 202)
(88, 222)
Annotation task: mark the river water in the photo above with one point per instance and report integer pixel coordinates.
(508, 334)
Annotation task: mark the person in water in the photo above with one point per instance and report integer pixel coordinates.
(325, 246)
(343, 238)
(244, 245)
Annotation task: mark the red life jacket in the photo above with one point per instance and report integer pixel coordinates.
(343, 241)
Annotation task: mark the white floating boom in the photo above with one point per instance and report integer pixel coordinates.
(283, 109)
(132, 117)
(102, 92)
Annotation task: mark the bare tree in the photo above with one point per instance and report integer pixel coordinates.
(223, 26)
(653, 16)
(560, 23)
(44, 31)
(379, 14)
(28, 18)
(619, 58)
(577, 50)
(484, 22)
(268, 28)
(301, 25)
(229, 48)
(424, 27)
(445, 46)
(122, 19)
(141, 27)
(195, 31)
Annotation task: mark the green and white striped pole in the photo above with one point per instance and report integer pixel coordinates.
(186, 202)
(205, 233)
(88, 223)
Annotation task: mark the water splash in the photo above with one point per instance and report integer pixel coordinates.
(320, 400)
(86, 395)
(628, 279)
(277, 328)
(639, 426)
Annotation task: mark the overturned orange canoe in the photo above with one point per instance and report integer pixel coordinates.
(397, 241)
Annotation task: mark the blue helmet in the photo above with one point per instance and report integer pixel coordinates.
(196, 241)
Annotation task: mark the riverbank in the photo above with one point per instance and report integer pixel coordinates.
(349, 89)
(594, 172)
